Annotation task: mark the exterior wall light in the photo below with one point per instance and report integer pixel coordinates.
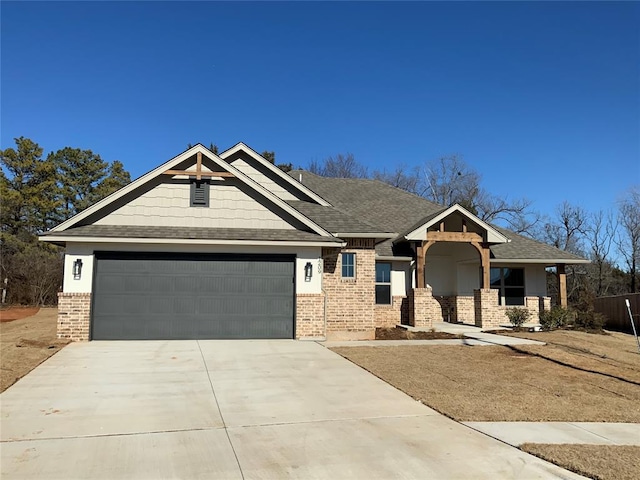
(77, 269)
(308, 272)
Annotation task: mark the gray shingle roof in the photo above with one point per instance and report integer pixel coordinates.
(393, 210)
(127, 231)
(332, 219)
(520, 248)
(372, 201)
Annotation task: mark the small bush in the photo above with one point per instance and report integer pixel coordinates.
(518, 316)
(589, 320)
(557, 317)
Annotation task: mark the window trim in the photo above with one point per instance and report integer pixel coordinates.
(502, 297)
(343, 265)
(384, 283)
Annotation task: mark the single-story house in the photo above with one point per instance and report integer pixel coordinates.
(228, 246)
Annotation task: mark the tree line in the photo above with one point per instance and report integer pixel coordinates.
(39, 192)
(610, 238)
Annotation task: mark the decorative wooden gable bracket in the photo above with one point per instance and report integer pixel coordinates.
(474, 239)
(199, 174)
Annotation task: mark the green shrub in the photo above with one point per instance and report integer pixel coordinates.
(557, 317)
(589, 320)
(518, 316)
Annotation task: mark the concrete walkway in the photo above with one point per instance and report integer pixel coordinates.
(234, 409)
(517, 433)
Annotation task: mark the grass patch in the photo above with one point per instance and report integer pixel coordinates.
(600, 462)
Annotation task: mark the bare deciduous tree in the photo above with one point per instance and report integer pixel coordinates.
(567, 230)
(339, 166)
(402, 177)
(600, 234)
(629, 238)
(450, 180)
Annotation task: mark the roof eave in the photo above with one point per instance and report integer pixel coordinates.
(64, 239)
(545, 261)
(391, 258)
(384, 235)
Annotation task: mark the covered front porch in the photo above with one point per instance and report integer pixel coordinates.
(459, 280)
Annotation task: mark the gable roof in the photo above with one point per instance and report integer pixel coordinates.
(388, 208)
(271, 167)
(391, 209)
(338, 222)
(199, 148)
(524, 250)
(416, 232)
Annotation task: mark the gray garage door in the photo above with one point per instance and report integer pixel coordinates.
(185, 296)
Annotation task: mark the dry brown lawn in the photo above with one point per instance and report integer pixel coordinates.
(613, 354)
(581, 377)
(601, 462)
(26, 343)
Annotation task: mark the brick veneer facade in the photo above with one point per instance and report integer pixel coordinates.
(74, 313)
(310, 316)
(489, 314)
(465, 309)
(350, 302)
(423, 308)
(394, 314)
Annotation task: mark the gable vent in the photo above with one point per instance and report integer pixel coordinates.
(199, 193)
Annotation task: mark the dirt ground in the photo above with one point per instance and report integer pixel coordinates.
(26, 343)
(396, 333)
(580, 377)
(14, 313)
(601, 462)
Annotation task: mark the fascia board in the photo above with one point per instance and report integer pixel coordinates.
(365, 235)
(256, 156)
(544, 261)
(187, 241)
(388, 258)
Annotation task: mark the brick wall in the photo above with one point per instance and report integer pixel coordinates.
(350, 302)
(489, 314)
(310, 315)
(465, 309)
(391, 315)
(487, 311)
(423, 308)
(74, 313)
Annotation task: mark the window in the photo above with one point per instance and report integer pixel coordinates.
(383, 283)
(348, 265)
(510, 282)
(199, 193)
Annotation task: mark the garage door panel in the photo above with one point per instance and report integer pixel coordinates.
(192, 296)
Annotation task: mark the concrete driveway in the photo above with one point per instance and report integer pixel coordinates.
(233, 409)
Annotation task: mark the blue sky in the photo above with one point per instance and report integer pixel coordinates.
(543, 98)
